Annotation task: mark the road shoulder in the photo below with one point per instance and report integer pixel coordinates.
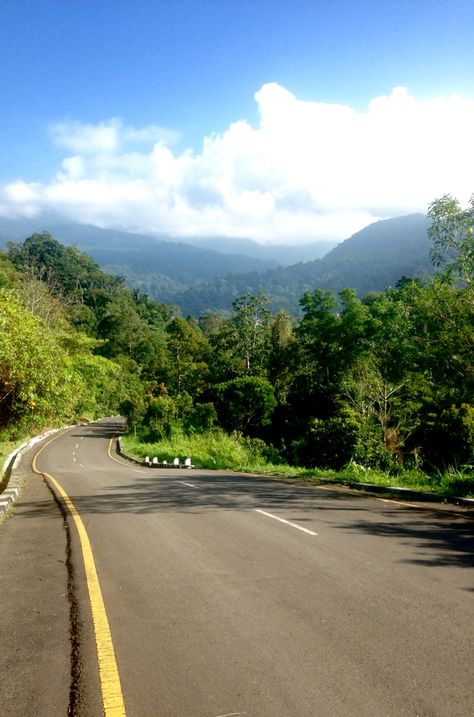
(35, 660)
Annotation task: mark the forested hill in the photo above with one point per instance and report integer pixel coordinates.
(157, 265)
(200, 279)
(370, 260)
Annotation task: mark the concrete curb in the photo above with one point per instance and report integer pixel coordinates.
(11, 470)
(145, 463)
(122, 453)
(10, 494)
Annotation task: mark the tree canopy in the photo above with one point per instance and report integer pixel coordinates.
(381, 379)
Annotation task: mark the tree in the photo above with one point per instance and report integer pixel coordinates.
(188, 350)
(244, 404)
(452, 234)
(316, 358)
(37, 381)
(242, 343)
(279, 358)
(121, 327)
(160, 417)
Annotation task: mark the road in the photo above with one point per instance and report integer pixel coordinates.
(354, 606)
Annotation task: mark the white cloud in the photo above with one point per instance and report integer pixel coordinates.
(106, 137)
(310, 170)
(87, 138)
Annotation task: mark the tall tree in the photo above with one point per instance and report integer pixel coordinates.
(242, 343)
(188, 350)
(452, 234)
(316, 356)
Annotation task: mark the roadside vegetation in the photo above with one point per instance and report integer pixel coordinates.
(377, 389)
(220, 451)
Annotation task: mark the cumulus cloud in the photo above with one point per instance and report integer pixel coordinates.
(309, 170)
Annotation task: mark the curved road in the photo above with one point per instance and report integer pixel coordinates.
(353, 606)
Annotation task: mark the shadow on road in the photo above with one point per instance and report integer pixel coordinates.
(109, 429)
(433, 538)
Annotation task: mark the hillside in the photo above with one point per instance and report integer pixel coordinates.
(200, 280)
(371, 260)
(160, 265)
(152, 264)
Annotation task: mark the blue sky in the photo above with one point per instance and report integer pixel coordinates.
(193, 149)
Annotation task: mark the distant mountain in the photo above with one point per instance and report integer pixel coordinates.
(283, 254)
(92, 237)
(203, 279)
(155, 265)
(371, 260)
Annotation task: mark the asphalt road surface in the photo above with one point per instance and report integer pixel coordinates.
(354, 606)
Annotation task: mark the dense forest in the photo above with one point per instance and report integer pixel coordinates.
(382, 379)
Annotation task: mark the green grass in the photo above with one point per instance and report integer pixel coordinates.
(5, 449)
(220, 451)
(213, 450)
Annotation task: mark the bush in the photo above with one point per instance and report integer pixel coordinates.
(447, 437)
(200, 418)
(334, 442)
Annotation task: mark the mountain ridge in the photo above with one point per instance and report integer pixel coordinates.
(202, 280)
(372, 259)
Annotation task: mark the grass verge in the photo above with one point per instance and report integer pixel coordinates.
(217, 450)
(213, 450)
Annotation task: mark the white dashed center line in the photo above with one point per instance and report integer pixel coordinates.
(287, 522)
(191, 485)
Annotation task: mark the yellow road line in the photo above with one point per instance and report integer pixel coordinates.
(112, 698)
(124, 463)
(109, 452)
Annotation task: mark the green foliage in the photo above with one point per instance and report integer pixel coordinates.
(279, 355)
(378, 382)
(241, 344)
(340, 439)
(48, 372)
(454, 482)
(49, 376)
(447, 437)
(329, 443)
(100, 382)
(160, 417)
(188, 351)
(201, 418)
(100, 305)
(37, 380)
(452, 236)
(244, 404)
